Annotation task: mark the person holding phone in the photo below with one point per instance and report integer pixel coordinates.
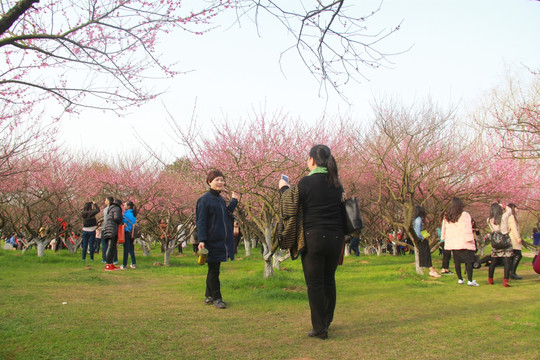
(319, 196)
(90, 210)
(215, 233)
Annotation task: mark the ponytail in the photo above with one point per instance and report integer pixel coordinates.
(324, 158)
(333, 178)
(132, 206)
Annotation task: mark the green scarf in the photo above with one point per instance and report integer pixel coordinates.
(318, 170)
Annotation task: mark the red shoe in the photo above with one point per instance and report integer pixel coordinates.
(110, 267)
(505, 283)
(490, 281)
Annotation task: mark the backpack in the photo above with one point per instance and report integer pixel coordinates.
(500, 241)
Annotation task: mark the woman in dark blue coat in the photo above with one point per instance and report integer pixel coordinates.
(215, 233)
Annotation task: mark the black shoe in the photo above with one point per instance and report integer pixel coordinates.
(208, 300)
(323, 334)
(220, 304)
(515, 277)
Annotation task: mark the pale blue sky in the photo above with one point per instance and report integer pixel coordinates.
(461, 49)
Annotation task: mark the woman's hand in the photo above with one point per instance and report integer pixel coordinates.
(283, 183)
(201, 245)
(235, 195)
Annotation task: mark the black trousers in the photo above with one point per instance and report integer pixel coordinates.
(213, 286)
(319, 261)
(515, 261)
(447, 255)
(507, 261)
(111, 250)
(467, 257)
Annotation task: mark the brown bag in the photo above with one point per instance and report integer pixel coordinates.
(121, 234)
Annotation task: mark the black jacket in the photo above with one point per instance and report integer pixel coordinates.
(214, 226)
(89, 217)
(114, 218)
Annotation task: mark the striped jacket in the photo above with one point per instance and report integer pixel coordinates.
(291, 216)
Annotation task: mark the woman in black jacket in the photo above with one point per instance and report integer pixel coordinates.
(110, 232)
(215, 233)
(90, 210)
(320, 196)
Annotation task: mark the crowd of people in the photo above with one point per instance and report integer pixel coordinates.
(315, 204)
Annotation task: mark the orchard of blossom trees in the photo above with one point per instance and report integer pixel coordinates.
(403, 156)
(406, 156)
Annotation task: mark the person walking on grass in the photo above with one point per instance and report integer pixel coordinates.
(458, 236)
(498, 222)
(90, 210)
(316, 203)
(447, 254)
(424, 250)
(110, 232)
(129, 219)
(215, 233)
(515, 236)
(104, 242)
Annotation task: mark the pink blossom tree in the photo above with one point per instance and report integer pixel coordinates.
(512, 116)
(253, 155)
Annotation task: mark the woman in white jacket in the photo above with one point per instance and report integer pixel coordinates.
(458, 236)
(515, 236)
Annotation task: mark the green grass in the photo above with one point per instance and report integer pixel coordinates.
(384, 311)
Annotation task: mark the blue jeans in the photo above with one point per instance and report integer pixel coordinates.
(129, 249)
(355, 242)
(88, 238)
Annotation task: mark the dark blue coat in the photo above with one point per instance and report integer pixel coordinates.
(215, 227)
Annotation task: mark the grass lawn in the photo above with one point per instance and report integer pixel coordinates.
(61, 308)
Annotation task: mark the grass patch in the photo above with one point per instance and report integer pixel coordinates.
(384, 311)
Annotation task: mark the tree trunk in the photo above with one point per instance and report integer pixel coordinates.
(72, 247)
(167, 258)
(41, 245)
(267, 254)
(169, 248)
(145, 246)
(27, 245)
(280, 257)
(247, 246)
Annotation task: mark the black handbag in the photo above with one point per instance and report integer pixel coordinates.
(353, 219)
(500, 241)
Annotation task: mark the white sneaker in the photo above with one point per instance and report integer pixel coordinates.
(133, 266)
(460, 282)
(472, 283)
(122, 267)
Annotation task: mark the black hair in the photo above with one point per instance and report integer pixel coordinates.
(420, 211)
(455, 209)
(323, 158)
(212, 174)
(110, 199)
(131, 205)
(495, 213)
(87, 206)
(118, 202)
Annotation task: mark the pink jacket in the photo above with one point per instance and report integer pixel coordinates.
(458, 235)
